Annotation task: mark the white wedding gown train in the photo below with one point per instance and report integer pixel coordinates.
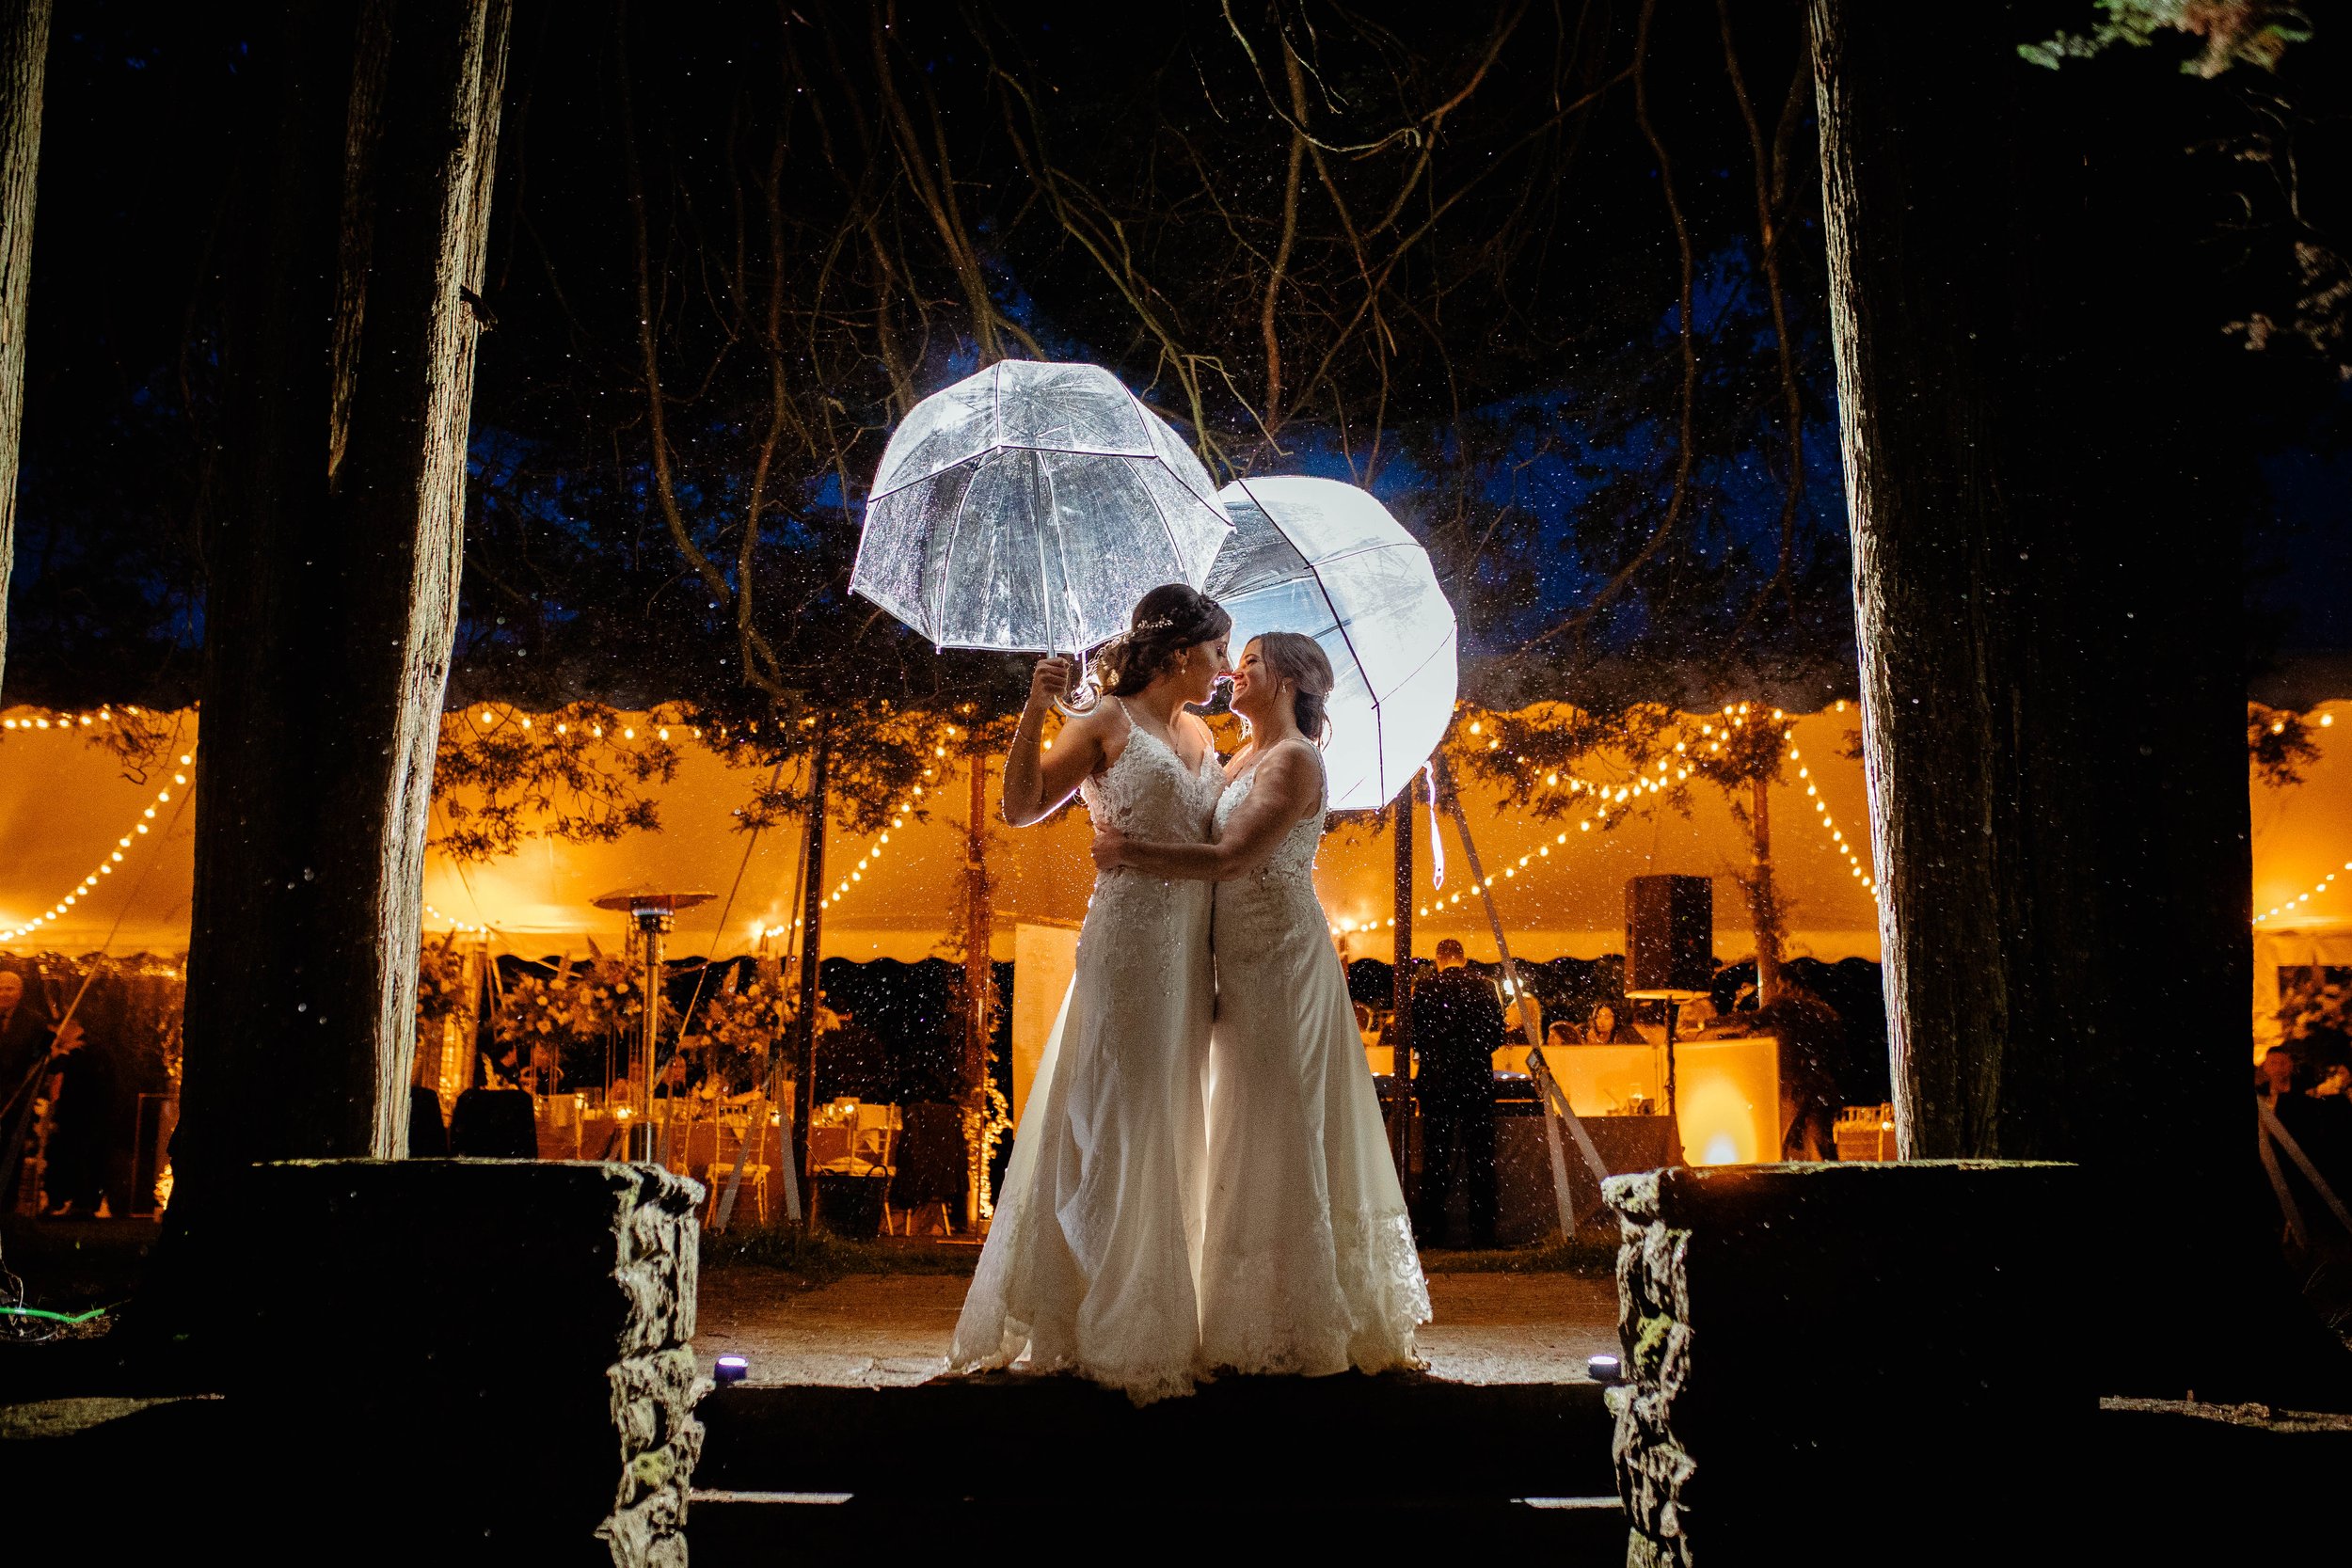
(1308, 1264)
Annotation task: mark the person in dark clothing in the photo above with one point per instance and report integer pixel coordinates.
(1457, 1027)
(1811, 1034)
(23, 1034)
(24, 1042)
(76, 1173)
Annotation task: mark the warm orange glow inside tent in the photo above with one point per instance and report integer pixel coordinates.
(64, 806)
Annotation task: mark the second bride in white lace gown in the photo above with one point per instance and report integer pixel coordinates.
(1307, 1263)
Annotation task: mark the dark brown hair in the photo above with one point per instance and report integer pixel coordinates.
(1300, 661)
(1167, 621)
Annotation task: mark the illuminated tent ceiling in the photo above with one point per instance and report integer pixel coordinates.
(65, 805)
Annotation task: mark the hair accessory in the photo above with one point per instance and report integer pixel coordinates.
(1166, 623)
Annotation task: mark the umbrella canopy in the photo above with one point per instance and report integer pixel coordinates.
(1322, 558)
(1028, 507)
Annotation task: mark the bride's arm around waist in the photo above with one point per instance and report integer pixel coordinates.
(1286, 790)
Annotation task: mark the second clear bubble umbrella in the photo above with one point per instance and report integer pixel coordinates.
(1322, 558)
(1028, 507)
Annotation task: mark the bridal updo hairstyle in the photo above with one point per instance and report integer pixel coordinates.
(1167, 621)
(1300, 661)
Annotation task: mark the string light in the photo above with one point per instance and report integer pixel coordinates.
(455, 924)
(62, 719)
(105, 867)
(1828, 824)
(898, 814)
(1612, 798)
(2290, 905)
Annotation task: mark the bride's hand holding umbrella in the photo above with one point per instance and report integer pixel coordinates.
(1039, 776)
(1050, 681)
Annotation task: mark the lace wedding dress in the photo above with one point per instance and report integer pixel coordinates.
(1090, 1260)
(1308, 1264)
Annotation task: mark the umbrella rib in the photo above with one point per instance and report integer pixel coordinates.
(1044, 588)
(1183, 568)
(947, 556)
(1372, 549)
(1379, 747)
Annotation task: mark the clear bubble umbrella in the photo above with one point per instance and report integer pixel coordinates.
(1322, 558)
(1028, 507)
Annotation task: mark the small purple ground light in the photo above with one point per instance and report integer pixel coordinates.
(731, 1368)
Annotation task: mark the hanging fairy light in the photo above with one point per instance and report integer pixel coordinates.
(898, 814)
(2295, 904)
(1830, 829)
(460, 926)
(105, 867)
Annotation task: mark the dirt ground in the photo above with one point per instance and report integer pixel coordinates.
(892, 1330)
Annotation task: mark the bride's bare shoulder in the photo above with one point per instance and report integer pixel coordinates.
(1100, 732)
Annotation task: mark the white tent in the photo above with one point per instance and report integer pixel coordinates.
(65, 804)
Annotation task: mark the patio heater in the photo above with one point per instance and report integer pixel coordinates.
(654, 912)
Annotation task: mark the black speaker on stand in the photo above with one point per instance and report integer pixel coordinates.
(1668, 948)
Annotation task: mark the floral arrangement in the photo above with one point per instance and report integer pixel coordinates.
(440, 985)
(571, 1005)
(750, 1019)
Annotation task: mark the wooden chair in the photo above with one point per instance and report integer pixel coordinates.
(729, 1135)
(1866, 1133)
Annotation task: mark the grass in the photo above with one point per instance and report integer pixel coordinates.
(70, 1266)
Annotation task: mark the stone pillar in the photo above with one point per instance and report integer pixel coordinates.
(461, 1351)
(1813, 1348)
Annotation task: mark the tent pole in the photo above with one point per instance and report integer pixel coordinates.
(812, 951)
(1401, 996)
(978, 974)
(1555, 1103)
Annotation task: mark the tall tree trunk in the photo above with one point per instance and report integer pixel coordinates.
(2046, 581)
(23, 65)
(812, 953)
(1763, 902)
(333, 551)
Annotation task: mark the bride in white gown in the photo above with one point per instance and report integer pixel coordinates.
(1307, 1263)
(1090, 1262)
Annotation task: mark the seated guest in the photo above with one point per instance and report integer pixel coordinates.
(1560, 1036)
(494, 1124)
(1523, 1021)
(679, 1078)
(1607, 1028)
(545, 1076)
(1694, 1017)
(428, 1136)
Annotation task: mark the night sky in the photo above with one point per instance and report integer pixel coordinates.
(1512, 393)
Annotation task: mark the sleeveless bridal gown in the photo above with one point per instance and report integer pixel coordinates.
(1089, 1264)
(1308, 1264)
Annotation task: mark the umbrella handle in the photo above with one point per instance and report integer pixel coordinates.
(1083, 698)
